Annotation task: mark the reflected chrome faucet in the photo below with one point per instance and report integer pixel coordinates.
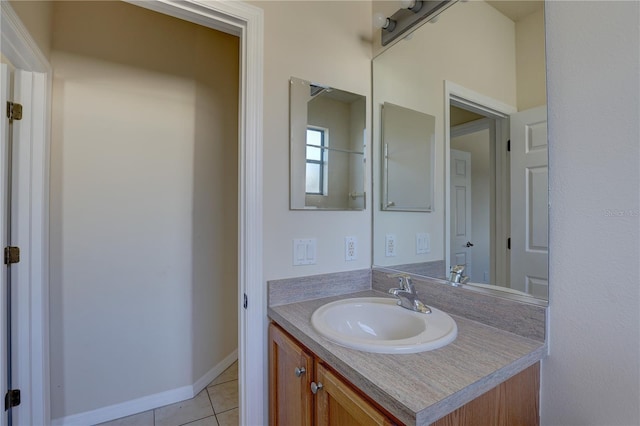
(407, 296)
(456, 276)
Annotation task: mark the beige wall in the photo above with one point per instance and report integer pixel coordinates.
(143, 204)
(326, 42)
(37, 18)
(530, 61)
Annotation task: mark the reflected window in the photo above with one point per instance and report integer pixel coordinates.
(317, 141)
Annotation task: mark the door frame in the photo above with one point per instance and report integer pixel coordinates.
(237, 18)
(460, 96)
(33, 190)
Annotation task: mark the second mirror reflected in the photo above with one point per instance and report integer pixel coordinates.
(327, 145)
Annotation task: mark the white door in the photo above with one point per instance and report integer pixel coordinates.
(461, 243)
(529, 201)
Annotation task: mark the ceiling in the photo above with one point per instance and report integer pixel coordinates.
(516, 9)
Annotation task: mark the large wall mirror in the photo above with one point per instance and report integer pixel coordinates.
(327, 145)
(480, 72)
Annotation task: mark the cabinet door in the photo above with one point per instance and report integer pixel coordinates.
(290, 369)
(338, 404)
(513, 402)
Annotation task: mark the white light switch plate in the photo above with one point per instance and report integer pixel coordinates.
(304, 251)
(423, 243)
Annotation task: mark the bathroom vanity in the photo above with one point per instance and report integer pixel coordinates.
(296, 372)
(486, 375)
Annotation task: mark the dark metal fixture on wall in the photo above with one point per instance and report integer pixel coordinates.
(413, 13)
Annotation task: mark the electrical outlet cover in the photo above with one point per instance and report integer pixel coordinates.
(390, 245)
(350, 248)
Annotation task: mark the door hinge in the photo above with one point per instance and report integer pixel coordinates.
(11, 255)
(11, 399)
(509, 243)
(509, 145)
(14, 111)
(245, 303)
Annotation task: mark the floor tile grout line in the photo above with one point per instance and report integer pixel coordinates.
(220, 383)
(212, 407)
(230, 409)
(215, 416)
(197, 420)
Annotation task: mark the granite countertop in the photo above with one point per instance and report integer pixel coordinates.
(421, 388)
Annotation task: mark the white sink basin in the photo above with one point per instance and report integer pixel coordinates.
(377, 324)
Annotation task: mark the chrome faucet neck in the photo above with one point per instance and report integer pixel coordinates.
(407, 296)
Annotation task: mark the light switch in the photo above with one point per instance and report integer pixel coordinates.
(311, 252)
(304, 251)
(423, 243)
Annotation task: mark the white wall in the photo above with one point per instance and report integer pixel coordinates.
(592, 376)
(330, 43)
(143, 204)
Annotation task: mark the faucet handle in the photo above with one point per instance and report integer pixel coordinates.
(458, 269)
(404, 281)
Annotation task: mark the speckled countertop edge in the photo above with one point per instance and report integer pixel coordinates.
(418, 389)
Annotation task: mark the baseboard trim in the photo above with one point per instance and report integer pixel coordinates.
(148, 402)
(208, 377)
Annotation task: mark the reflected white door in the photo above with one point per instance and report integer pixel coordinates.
(461, 243)
(529, 201)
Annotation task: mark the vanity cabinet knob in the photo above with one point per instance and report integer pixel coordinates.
(315, 387)
(300, 371)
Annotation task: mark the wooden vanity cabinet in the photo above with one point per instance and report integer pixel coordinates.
(290, 375)
(338, 404)
(513, 402)
(291, 401)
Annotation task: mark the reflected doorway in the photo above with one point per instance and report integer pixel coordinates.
(474, 191)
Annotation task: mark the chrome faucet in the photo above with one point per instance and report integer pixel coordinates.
(407, 296)
(456, 276)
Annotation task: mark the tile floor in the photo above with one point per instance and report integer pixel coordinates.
(217, 405)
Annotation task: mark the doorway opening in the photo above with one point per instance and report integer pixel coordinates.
(144, 205)
(244, 21)
(496, 192)
(479, 196)
(477, 185)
